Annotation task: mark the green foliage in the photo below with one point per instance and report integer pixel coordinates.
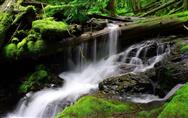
(90, 106)
(76, 11)
(48, 24)
(34, 78)
(52, 1)
(69, 13)
(178, 106)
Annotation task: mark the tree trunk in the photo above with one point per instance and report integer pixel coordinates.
(112, 7)
(185, 4)
(135, 5)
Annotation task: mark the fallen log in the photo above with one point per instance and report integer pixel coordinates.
(110, 18)
(160, 7)
(136, 31)
(34, 3)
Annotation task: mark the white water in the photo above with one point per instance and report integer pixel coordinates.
(48, 102)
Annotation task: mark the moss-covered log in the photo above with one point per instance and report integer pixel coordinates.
(152, 27)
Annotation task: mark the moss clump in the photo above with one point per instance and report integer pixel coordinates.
(178, 106)
(33, 79)
(51, 29)
(150, 114)
(53, 10)
(49, 24)
(5, 22)
(90, 106)
(52, 1)
(31, 44)
(184, 49)
(35, 47)
(25, 12)
(10, 50)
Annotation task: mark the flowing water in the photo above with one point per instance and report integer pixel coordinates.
(48, 102)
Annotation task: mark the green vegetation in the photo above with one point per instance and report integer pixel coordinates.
(184, 49)
(10, 50)
(52, 1)
(48, 24)
(50, 28)
(178, 106)
(151, 113)
(5, 22)
(32, 44)
(90, 106)
(32, 80)
(24, 11)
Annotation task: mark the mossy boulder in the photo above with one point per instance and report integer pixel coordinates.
(93, 107)
(25, 16)
(153, 113)
(51, 29)
(34, 79)
(5, 21)
(178, 106)
(29, 46)
(184, 49)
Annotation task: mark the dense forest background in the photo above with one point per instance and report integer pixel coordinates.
(38, 38)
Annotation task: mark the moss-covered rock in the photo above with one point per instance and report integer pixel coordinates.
(30, 45)
(25, 16)
(93, 107)
(51, 29)
(33, 79)
(184, 49)
(5, 22)
(10, 50)
(178, 106)
(150, 113)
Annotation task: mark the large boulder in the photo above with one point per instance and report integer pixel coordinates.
(128, 83)
(51, 29)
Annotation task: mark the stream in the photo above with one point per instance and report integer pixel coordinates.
(87, 75)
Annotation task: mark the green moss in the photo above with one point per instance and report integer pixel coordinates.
(5, 22)
(10, 50)
(151, 113)
(51, 29)
(184, 49)
(90, 106)
(52, 1)
(32, 44)
(52, 10)
(48, 24)
(15, 40)
(23, 13)
(34, 78)
(178, 106)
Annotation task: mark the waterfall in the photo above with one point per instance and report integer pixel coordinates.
(113, 36)
(48, 102)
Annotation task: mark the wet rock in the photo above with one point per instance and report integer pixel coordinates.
(128, 84)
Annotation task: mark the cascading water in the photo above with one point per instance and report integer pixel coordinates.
(48, 102)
